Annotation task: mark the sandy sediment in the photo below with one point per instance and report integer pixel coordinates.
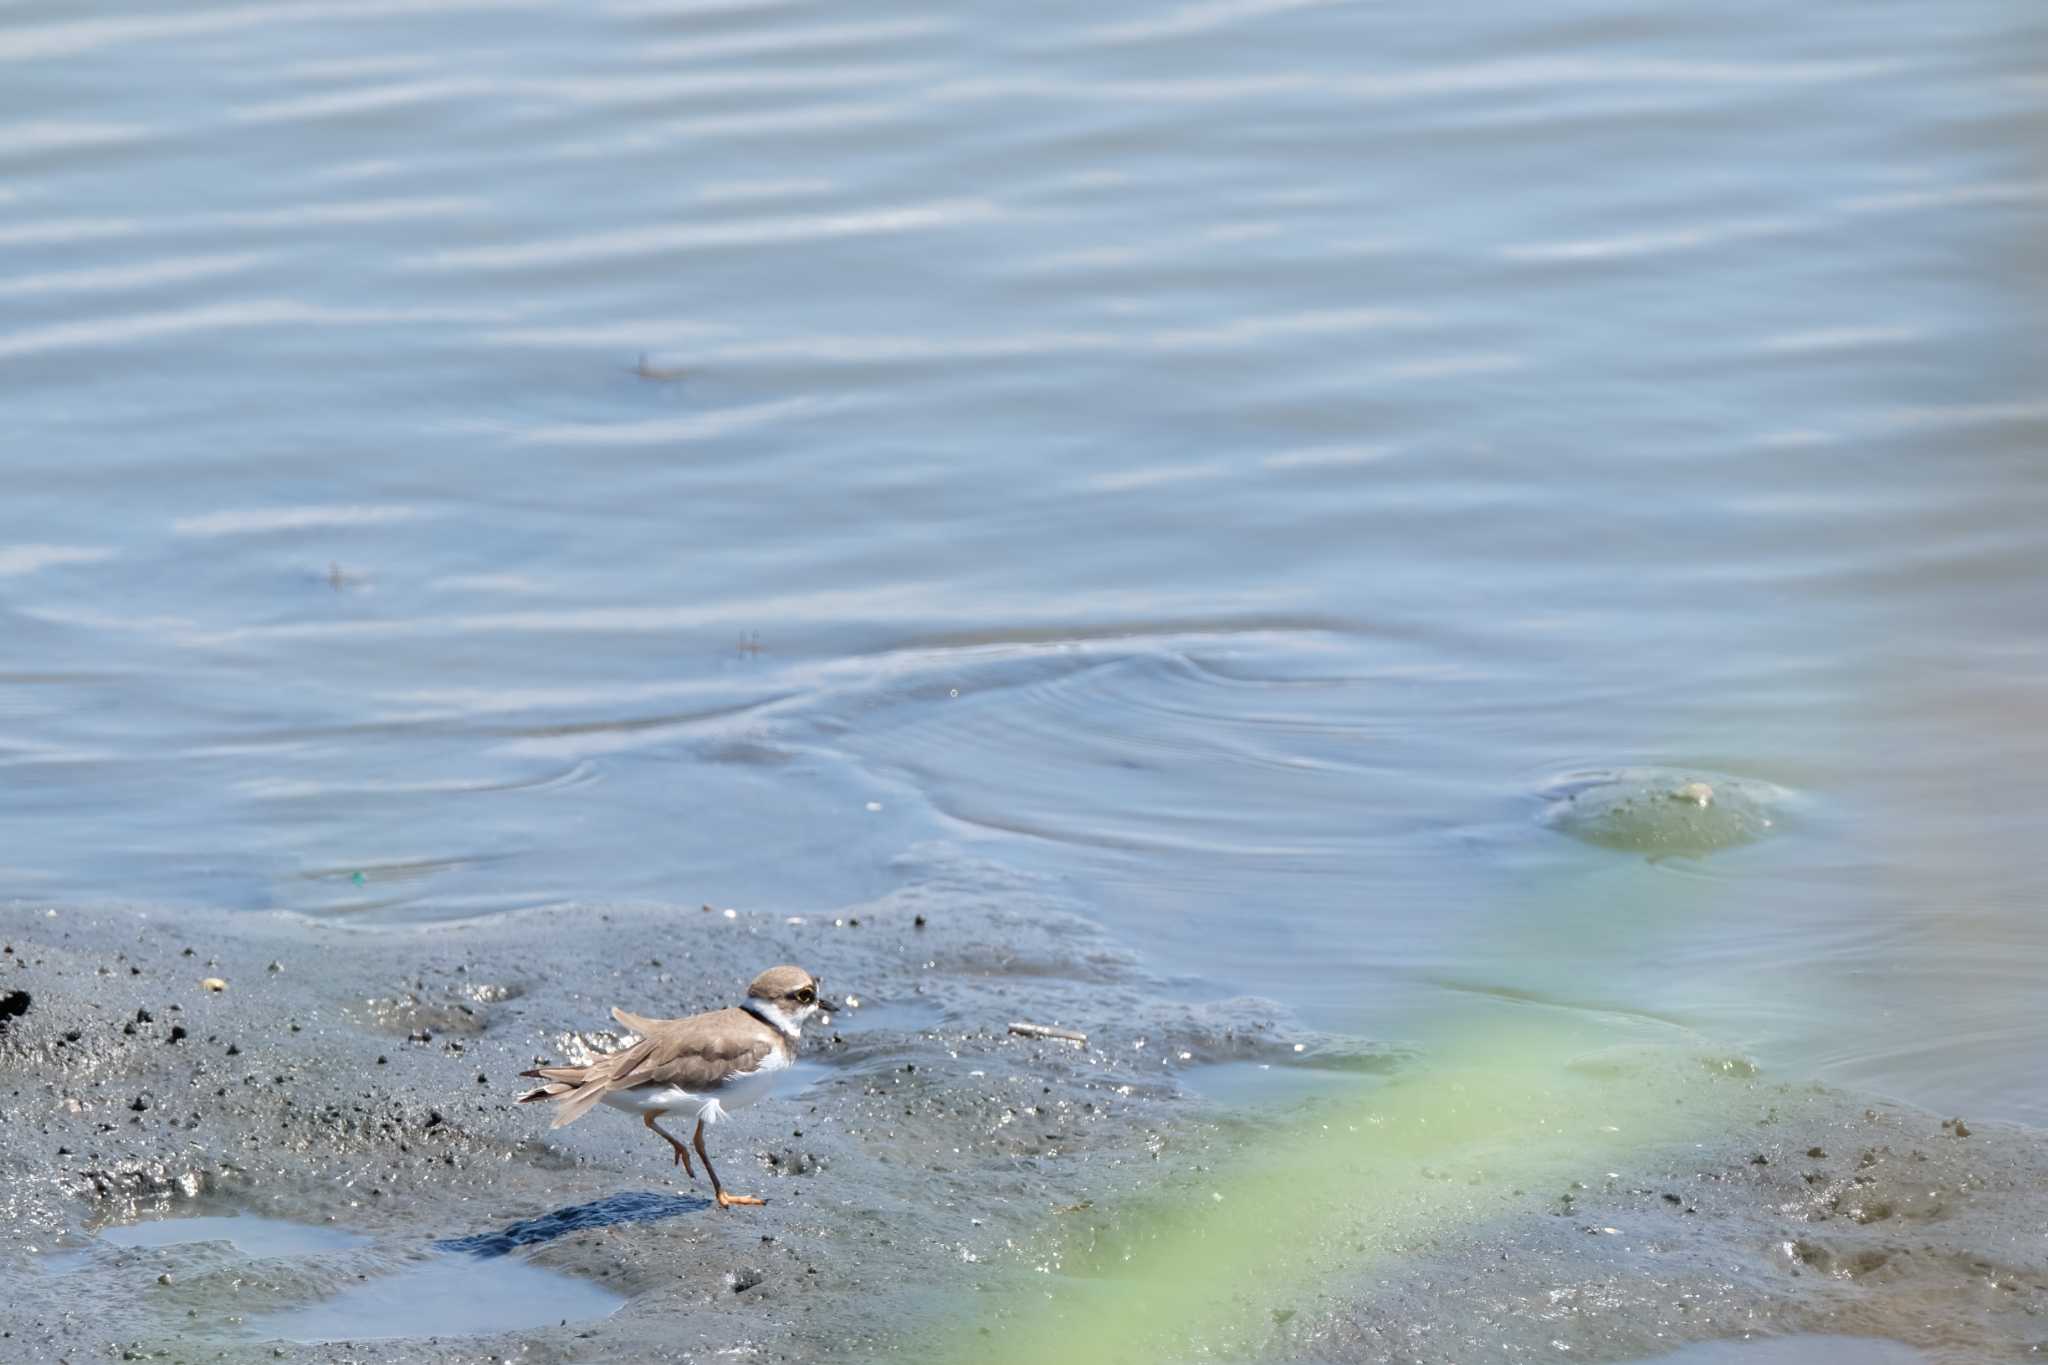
(931, 1162)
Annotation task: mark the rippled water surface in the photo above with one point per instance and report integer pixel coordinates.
(1226, 459)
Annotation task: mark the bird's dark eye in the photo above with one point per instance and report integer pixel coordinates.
(806, 996)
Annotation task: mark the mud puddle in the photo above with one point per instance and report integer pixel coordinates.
(249, 1235)
(445, 1295)
(341, 1287)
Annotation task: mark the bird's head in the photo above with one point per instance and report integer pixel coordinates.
(788, 996)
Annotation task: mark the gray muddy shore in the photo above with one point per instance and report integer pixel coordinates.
(924, 1165)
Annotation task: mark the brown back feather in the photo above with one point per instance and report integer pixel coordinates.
(693, 1058)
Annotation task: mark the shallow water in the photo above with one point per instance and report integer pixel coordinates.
(248, 1235)
(441, 1297)
(1266, 1088)
(1221, 461)
(473, 1287)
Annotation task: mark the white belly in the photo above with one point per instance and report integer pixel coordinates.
(709, 1105)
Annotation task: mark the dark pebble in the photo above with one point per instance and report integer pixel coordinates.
(141, 1102)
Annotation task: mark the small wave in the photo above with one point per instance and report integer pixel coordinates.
(613, 245)
(260, 520)
(141, 275)
(17, 560)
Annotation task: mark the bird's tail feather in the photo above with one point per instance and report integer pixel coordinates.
(546, 1092)
(577, 1102)
(573, 1089)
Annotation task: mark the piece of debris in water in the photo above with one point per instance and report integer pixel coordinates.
(1065, 1035)
(1698, 793)
(213, 983)
(647, 369)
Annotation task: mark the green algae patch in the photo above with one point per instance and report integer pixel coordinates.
(1663, 812)
(1214, 1264)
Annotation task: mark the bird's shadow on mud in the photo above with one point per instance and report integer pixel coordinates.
(639, 1206)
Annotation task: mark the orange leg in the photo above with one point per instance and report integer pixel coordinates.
(682, 1152)
(725, 1201)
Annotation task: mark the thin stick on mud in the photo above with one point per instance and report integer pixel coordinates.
(1065, 1035)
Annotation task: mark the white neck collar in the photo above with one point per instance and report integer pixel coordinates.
(773, 1018)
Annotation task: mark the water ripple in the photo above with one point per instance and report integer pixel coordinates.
(16, 560)
(236, 315)
(1693, 237)
(41, 137)
(652, 241)
(793, 39)
(378, 99)
(102, 279)
(662, 431)
(1203, 17)
(259, 520)
(33, 42)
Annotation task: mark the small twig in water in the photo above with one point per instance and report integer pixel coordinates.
(1065, 1035)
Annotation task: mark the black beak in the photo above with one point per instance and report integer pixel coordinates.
(827, 1004)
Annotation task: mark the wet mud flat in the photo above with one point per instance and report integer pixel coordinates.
(340, 1112)
(1820, 1220)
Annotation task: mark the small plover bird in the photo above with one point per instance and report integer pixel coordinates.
(699, 1068)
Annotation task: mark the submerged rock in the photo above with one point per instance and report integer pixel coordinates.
(1662, 811)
